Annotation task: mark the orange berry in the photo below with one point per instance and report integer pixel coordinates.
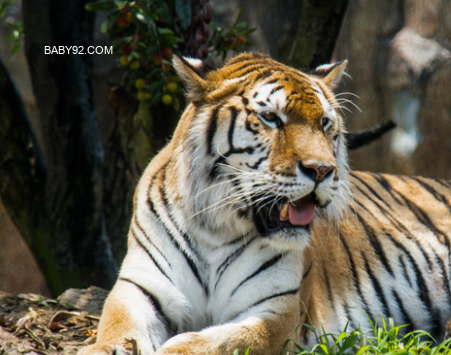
(240, 40)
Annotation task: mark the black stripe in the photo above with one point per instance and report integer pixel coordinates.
(234, 114)
(372, 236)
(438, 196)
(275, 89)
(188, 259)
(386, 185)
(281, 294)
(245, 101)
(371, 190)
(396, 224)
(229, 260)
(272, 81)
(246, 70)
(404, 270)
(263, 267)
(307, 272)
(329, 289)
(184, 236)
(377, 288)
(411, 325)
(141, 229)
(157, 264)
(261, 103)
(149, 199)
(444, 183)
(263, 74)
(245, 65)
(249, 128)
(257, 163)
(214, 169)
(424, 219)
(348, 315)
(174, 242)
(355, 276)
(422, 289)
(212, 126)
(444, 274)
(169, 326)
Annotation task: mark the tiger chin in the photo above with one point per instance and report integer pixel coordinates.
(244, 226)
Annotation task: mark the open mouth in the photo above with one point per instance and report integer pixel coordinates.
(270, 217)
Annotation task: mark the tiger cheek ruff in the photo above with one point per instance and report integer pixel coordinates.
(249, 223)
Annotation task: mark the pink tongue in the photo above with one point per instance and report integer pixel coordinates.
(302, 212)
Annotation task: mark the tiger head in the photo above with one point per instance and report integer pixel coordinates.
(261, 147)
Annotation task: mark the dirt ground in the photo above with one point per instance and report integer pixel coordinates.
(32, 324)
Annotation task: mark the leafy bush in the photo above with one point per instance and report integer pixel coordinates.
(146, 33)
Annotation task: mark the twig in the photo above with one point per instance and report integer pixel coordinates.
(34, 337)
(361, 138)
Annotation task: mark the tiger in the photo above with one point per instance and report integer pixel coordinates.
(250, 224)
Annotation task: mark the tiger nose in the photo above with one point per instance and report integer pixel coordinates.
(317, 172)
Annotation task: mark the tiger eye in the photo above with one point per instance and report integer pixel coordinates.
(270, 116)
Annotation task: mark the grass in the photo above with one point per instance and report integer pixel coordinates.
(381, 340)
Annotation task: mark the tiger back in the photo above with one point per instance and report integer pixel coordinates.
(245, 225)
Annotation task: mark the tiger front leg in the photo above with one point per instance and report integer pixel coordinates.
(264, 330)
(128, 317)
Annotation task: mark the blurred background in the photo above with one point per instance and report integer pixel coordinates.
(398, 50)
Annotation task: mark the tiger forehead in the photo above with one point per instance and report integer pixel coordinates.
(294, 95)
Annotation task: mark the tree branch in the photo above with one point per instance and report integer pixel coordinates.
(361, 138)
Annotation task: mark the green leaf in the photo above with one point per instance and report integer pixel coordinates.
(104, 27)
(183, 11)
(3, 6)
(238, 17)
(15, 48)
(165, 31)
(120, 4)
(100, 6)
(241, 26)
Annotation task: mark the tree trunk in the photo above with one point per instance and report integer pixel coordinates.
(62, 218)
(301, 34)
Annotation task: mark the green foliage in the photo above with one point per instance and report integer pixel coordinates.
(3, 5)
(234, 38)
(144, 39)
(16, 36)
(382, 340)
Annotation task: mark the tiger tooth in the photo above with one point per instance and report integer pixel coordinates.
(284, 211)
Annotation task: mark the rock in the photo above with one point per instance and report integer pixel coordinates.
(90, 300)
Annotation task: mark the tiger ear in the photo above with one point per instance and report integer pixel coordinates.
(331, 74)
(191, 72)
